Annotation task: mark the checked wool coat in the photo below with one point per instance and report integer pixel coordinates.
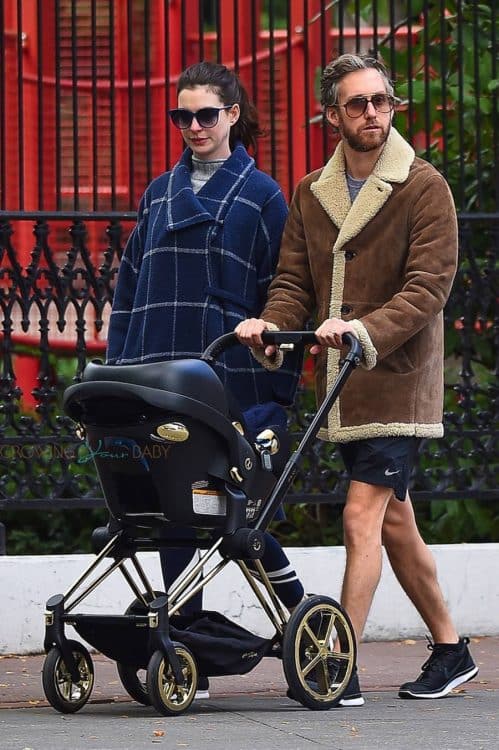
(195, 266)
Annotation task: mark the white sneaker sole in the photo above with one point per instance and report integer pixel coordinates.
(466, 677)
(349, 702)
(201, 695)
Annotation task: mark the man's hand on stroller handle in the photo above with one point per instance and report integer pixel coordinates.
(329, 333)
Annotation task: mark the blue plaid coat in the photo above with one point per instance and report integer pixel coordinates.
(195, 266)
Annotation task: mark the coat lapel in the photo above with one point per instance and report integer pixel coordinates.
(185, 208)
(219, 192)
(331, 188)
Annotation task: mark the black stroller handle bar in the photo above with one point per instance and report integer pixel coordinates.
(286, 338)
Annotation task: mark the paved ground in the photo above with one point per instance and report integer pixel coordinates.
(251, 711)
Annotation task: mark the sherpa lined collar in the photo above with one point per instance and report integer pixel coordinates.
(331, 189)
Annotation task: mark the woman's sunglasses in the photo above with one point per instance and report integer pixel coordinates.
(356, 107)
(207, 117)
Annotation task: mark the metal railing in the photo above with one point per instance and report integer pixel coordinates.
(42, 463)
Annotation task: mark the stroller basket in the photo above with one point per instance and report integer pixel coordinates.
(220, 646)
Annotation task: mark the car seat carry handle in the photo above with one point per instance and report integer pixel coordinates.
(286, 339)
(350, 362)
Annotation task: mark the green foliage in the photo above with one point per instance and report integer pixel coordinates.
(35, 532)
(454, 522)
(276, 11)
(440, 522)
(313, 525)
(453, 96)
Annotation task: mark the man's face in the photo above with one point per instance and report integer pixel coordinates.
(370, 130)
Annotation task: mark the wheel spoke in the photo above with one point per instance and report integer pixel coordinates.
(329, 630)
(311, 635)
(341, 655)
(323, 677)
(311, 665)
(168, 685)
(65, 688)
(171, 691)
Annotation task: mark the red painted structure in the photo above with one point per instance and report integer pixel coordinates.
(87, 107)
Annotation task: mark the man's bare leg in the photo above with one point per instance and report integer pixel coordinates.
(415, 569)
(362, 523)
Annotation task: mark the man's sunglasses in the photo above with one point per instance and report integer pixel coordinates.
(207, 117)
(356, 107)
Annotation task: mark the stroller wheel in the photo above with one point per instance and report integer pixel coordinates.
(129, 674)
(61, 691)
(167, 696)
(133, 684)
(319, 652)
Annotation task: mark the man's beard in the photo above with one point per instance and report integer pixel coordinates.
(358, 143)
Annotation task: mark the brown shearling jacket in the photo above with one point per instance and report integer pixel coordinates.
(386, 263)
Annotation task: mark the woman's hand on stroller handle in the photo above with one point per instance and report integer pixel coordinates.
(251, 332)
(256, 333)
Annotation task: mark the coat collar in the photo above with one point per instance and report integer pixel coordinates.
(331, 188)
(185, 208)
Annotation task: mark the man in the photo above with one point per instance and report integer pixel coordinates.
(370, 248)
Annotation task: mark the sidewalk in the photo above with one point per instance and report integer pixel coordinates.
(382, 667)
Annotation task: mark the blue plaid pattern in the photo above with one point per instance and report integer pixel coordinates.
(196, 265)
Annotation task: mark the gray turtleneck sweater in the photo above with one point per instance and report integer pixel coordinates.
(202, 171)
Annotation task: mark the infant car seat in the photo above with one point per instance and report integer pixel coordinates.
(164, 444)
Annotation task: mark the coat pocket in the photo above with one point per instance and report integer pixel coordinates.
(399, 360)
(222, 294)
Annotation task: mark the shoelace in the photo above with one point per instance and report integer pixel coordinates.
(435, 660)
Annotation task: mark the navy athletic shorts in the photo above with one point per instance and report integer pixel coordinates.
(384, 461)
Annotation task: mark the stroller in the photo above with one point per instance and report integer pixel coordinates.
(168, 453)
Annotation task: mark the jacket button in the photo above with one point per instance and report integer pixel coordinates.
(345, 309)
(350, 255)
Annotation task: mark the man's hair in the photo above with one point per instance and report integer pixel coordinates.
(335, 71)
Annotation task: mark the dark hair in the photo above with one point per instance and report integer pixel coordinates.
(226, 84)
(335, 71)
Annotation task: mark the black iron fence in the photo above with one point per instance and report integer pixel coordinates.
(84, 91)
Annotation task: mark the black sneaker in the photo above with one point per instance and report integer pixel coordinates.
(332, 667)
(352, 695)
(449, 665)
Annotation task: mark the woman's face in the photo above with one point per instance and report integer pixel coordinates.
(207, 143)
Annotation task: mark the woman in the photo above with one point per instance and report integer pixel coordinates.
(200, 260)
